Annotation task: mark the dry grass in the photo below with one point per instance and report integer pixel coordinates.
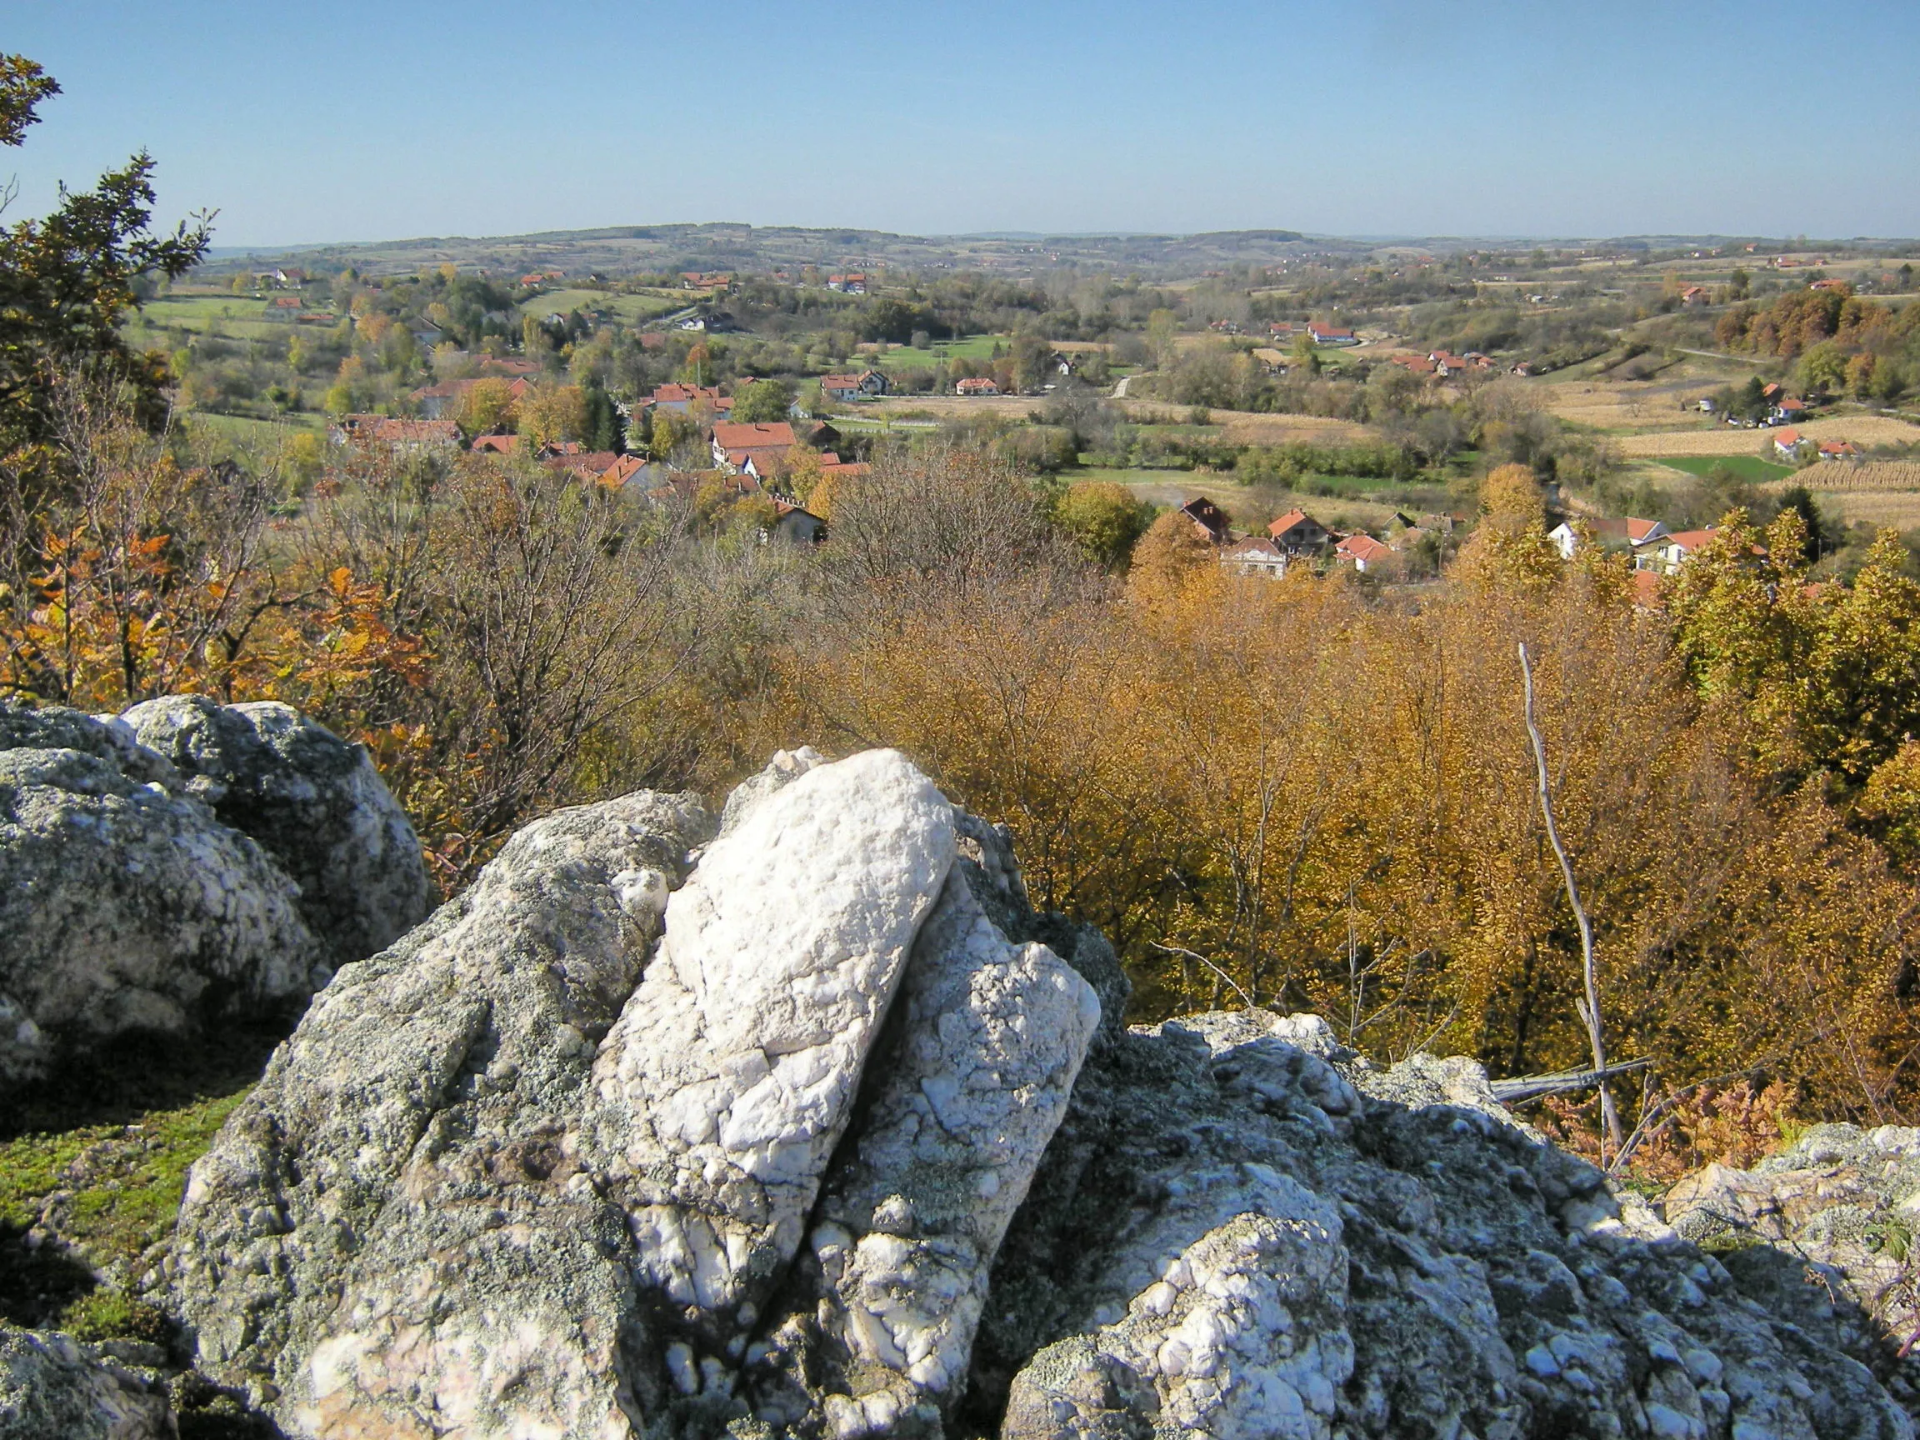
(1247, 427)
(1725, 440)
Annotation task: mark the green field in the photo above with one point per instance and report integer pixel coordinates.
(1750, 468)
(972, 347)
(631, 308)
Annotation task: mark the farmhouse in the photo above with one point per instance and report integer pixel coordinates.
(751, 449)
(853, 387)
(400, 436)
(848, 284)
(797, 526)
(1256, 557)
(1274, 360)
(1787, 443)
(976, 385)
(682, 398)
(1330, 335)
(1209, 519)
(1611, 534)
(1694, 296)
(1838, 450)
(1298, 533)
(1360, 551)
(495, 444)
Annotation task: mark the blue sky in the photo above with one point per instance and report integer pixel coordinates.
(303, 122)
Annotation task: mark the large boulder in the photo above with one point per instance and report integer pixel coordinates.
(124, 904)
(312, 801)
(52, 1388)
(500, 1182)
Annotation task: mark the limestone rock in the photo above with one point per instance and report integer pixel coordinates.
(53, 1388)
(1827, 1224)
(124, 905)
(394, 1234)
(312, 801)
(1242, 1229)
(812, 1128)
(732, 1072)
(991, 1037)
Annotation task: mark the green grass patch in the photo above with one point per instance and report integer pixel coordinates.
(970, 347)
(101, 1159)
(1750, 468)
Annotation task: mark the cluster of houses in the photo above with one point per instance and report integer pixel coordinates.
(1291, 540)
(1655, 551)
(1791, 446)
(1444, 364)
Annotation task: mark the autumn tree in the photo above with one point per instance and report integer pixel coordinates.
(550, 413)
(1104, 519)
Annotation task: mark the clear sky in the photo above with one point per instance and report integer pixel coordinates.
(305, 122)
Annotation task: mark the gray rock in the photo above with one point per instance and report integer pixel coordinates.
(125, 905)
(395, 1231)
(1243, 1229)
(311, 800)
(53, 1388)
(857, 1147)
(880, 1313)
(732, 1072)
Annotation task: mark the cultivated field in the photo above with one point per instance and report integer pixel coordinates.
(1899, 509)
(1867, 477)
(1727, 440)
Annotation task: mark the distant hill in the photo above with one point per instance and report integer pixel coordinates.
(618, 250)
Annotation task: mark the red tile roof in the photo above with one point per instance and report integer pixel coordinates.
(1787, 438)
(622, 470)
(496, 444)
(752, 436)
(690, 394)
(1363, 548)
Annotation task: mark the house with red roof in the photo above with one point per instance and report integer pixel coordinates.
(976, 385)
(797, 526)
(1298, 533)
(757, 449)
(682, 398)
(495, 444)
(1787, 442)
(848, 284)
(853, 387)
(1330, 334)
(400, 436)
(1362, 551)
(1695, 296)
(1838, 450)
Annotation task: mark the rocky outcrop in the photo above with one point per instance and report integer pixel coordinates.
(1834, 1214)
(124, 905)
(311, 801)
(1243, 1229)
(802, 1123)
(52, 1388)
(499, 1180)
(184, 864)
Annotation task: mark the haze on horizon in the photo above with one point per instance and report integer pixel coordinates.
(1390, 117)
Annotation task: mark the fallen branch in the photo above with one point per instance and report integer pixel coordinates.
(1532, 1087)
